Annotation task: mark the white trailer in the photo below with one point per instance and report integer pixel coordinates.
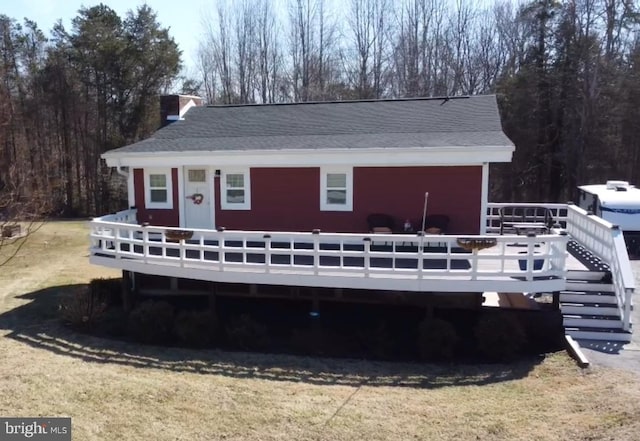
(617, 202)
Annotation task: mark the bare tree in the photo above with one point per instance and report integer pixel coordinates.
(270, 56)
(368, 23)
(246, 43)
(313, 35)
(420, 50)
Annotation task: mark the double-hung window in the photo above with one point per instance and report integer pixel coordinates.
(236, 190)
(336, 189)
(158, 188)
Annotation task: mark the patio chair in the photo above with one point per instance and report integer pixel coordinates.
(436, 224)
(380, 223)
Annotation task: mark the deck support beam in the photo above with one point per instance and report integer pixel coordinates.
(556, 300)
(127, 293)
(213, 294)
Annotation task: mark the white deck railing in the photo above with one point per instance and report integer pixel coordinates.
(374, 261)
(122, 217)
(558, 212)
(607, 242)
(598, 236)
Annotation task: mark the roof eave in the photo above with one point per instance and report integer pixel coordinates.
(445, 155)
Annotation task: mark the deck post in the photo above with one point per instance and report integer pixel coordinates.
(315, 311)
(213, 290)
(556, 300)
(127, 295)
(316, 250)
(173, 285)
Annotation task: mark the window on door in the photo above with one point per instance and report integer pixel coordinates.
(236, 190)
(158, 188)
(197, 175)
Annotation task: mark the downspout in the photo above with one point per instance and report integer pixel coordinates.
(130, 190)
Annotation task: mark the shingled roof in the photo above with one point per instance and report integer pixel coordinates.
(418, 122)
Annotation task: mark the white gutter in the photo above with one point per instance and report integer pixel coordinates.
(361, 157)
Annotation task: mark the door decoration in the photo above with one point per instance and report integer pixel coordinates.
(197, 198)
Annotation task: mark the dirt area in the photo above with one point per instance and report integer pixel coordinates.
(115, 390)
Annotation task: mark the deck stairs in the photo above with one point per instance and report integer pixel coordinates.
(589, 305)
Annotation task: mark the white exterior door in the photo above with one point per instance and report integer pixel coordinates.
(198, 205)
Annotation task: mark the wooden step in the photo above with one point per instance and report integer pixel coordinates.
(586, 275)
(610, 310)
(588, 286)
(586, 297)
(590, 321)
(599, 334)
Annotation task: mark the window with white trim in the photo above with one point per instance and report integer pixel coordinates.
(158, 188)
(336, 189)
(236, 190)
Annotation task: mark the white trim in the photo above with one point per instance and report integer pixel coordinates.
(484, 198)
(181, 197)
(168, 205)
(224, 204)
(131, 190)
(183, 110)
(361, 157)
(327, 279)
(186, 108)
(324, 204)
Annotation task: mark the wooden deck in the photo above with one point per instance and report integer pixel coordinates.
(411, 265)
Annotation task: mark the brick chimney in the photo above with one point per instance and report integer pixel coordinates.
(173, 107)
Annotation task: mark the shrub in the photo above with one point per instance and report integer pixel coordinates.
(244, 332)
(151, 322)
(307, 341)
(323, 340)
(107, 290)
(377, 341)
(82, 309)
(437, 339)
(113, 323)
(499, 337)
(195, 328)
(544, 330)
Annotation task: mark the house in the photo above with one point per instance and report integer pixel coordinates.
(306, 166)
(259, 196)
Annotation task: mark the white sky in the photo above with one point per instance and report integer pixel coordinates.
(181, 17)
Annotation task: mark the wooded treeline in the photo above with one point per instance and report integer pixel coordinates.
(66, 99)
(567, 76)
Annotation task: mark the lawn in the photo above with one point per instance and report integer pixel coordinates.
(115, 390)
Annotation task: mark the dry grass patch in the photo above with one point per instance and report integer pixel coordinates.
(114, 390)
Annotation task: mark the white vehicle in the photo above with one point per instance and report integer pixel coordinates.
(617, 202)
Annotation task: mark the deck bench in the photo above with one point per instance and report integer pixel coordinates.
(525, 219)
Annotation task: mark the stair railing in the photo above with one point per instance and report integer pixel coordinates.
(606, 241)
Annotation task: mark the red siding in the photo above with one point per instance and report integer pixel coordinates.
(169, 218)
(287, 199)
